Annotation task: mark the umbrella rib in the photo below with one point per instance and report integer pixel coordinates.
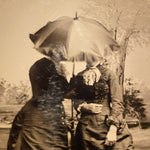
(68, 38)
(93, 21)
(55, 23)
(45, 35)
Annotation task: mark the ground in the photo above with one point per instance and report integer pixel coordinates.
(141, 137)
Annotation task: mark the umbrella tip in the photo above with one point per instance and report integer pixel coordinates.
(76, 16)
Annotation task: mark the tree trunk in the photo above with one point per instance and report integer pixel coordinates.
(121, 67)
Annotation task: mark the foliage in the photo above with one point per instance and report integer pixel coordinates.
(134, 104)
(15, 94)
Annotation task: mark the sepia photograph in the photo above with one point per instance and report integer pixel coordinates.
(74, 74)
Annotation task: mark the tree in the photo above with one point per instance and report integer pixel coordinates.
(128, 23)
(134, 104)
(15, 94)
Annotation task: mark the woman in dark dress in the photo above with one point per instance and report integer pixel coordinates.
(101, 125)
(40, 124)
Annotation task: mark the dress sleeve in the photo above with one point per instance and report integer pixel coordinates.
(15, 131)
(116, 100)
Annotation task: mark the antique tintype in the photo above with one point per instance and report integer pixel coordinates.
(74, 75)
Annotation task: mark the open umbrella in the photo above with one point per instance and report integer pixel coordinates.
(78, 39)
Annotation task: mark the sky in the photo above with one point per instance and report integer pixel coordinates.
(18, 18)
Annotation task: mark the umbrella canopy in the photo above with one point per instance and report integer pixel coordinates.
(78, 39)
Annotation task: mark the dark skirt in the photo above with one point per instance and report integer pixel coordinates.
(39, 127)
(91, 133)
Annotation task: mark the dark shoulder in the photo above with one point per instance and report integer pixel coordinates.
(42, 63)
(45, 79)
(43, 66)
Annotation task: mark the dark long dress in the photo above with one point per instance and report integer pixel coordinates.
(92, 127)
(40, 124)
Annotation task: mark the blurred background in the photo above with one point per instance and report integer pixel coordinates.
(128, 21)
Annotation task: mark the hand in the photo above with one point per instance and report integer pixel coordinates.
(111, 136)
(90, 108)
